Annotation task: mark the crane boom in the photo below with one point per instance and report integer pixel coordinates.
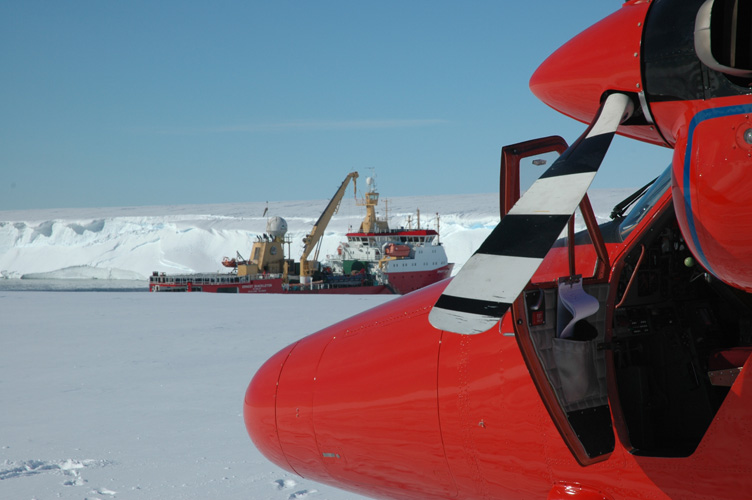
(311, 240)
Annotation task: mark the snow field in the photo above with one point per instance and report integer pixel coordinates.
(139, 396)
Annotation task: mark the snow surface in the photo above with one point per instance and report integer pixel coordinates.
(130, 243)
(139, 396)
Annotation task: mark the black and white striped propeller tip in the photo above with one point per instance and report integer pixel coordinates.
(490, 281)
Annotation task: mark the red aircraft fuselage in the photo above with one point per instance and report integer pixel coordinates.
(649, 399)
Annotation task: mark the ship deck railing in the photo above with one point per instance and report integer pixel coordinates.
(208, 278)
(321, 285)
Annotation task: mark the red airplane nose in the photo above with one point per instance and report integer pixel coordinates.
(278, 407)
(605, 57)
(259, 409)
(345, 406)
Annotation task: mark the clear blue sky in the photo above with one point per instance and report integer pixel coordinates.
(129, 102)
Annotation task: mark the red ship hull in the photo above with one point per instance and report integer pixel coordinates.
(263, 285)
(406, 282)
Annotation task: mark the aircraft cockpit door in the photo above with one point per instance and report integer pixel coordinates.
(566, 365)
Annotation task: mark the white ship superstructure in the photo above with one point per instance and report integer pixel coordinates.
(404, 259)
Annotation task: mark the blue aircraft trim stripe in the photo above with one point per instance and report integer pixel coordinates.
(707, 114)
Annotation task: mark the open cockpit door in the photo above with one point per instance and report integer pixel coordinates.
(559, 323)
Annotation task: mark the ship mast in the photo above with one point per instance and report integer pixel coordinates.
(372, 224)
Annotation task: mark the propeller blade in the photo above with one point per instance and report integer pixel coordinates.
(490, 281)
